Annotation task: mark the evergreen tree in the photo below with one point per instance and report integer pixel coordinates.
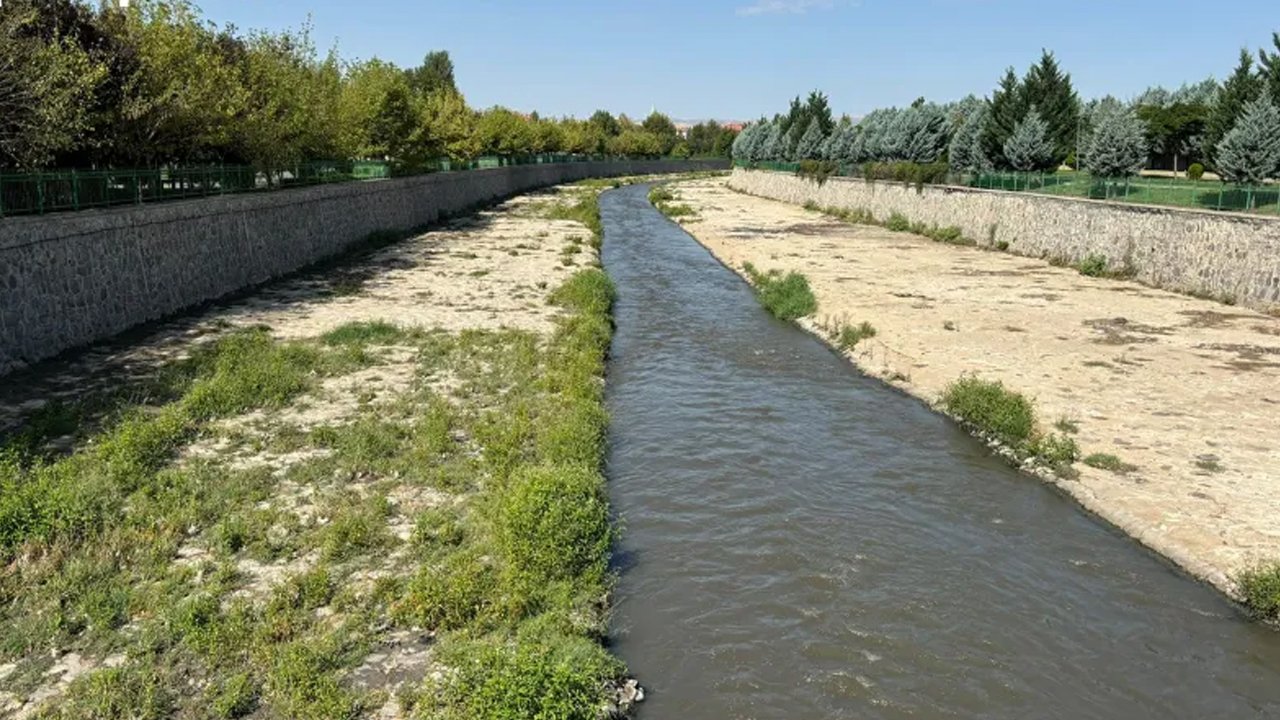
(966, 151)
(1117, 146)
(1269, 69)
(923, 131)
(1049, 90)
(1250, 153)
(811, 142)
(792, 140)
(774, 146)
(1240, 89)
(1007, 108)
(1029, 147)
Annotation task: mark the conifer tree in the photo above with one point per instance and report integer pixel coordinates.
(1006, 110)
(966, 153)
(1049, 90)
(1029, 147)
(1239, 90)
(1117, 146)
(1250, 153)
(810, 145)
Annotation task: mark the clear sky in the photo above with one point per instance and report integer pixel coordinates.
(738, 59)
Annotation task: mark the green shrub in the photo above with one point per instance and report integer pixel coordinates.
(849, 336)
(898, 222)
(1195, 171)
(660, 194)
(236, 697)
(587, 292)
(1093, 266)
(1260, 588)
(817, 170)
(1055, 450)
(459, 590)
(918, 174)
(556, 678)
(1005, 415)
(552, 523)
(786, 297)
(437, 528)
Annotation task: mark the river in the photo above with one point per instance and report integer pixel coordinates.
(803, 542)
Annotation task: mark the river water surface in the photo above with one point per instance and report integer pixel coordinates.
(804, 542)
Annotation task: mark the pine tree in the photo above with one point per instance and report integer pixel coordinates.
(811, 142)
(1049, 90)
(1029, 147)
(1269, 68)
(792, 140)
(966, 153)
(1239, 90)
(1006, 110)
(774, 147)
(924, 130)
(1117, 146)
(1250, 153)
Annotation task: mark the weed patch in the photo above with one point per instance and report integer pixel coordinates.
(1110, 463)
(1260, 588)
(786, 297)
(1008, 418)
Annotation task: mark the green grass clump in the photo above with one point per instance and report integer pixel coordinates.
(898, 222)
(365, 333)
(1093, 266)
(786, 297)
(1260, 589)
(550, 676)
(1109, 462)
(662, 198)
(848, 336)
(553, 524)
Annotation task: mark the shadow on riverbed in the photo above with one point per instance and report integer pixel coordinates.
(74, 393)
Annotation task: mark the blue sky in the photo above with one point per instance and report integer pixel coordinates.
(742, 58)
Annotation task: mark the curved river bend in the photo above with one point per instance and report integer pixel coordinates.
(803, 542)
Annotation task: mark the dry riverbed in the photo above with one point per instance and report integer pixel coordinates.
(1182, 394)
(369, 491)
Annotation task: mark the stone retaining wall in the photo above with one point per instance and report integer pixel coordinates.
(72, 278)
(1227, 256)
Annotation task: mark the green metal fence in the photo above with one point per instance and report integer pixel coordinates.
(1179, 192)
(39, 193)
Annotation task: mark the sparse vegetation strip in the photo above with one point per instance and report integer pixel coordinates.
(209, 552)
(1008, 419)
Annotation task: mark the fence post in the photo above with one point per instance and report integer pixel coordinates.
(75, 190)
(39, 193)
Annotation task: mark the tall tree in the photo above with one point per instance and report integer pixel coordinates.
(605, 122)
(1049, 90)
(661, 127)
(45, 87)
(1007, 108)
(1175, 130)
(1250, 153)
(966, 152)
(811, 142)
(1030, 147)
(1242, 87)
(434, 74)
(1269, 69)
(1117, 146)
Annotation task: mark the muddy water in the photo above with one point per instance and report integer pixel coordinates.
(803, 542)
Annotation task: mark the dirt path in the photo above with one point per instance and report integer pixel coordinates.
(1187, 391)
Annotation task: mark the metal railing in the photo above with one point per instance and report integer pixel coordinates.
(70, 190)
(1173, 192)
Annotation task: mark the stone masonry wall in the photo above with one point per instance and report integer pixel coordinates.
(1228, 256)
(72, 278)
